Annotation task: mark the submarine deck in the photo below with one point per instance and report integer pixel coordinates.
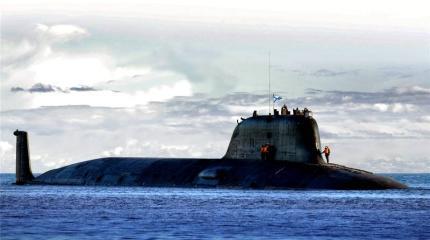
(228, 173)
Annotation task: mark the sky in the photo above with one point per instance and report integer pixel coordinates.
(90, 79)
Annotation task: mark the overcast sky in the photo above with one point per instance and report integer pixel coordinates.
(89, 79)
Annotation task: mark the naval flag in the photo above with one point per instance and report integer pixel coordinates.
(276, 98)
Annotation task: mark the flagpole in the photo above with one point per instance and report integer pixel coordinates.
(269, 83)
(274, 102)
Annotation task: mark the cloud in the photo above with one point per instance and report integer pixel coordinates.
(50, 95)
(410, 90)
(46, 88)
(398, 164)
(65, 69)
(29, 50)
(392, 113)
(383, 155)
(4, 148)
(67, 78)
(17, 89)
(36, 59)
(402, 95)
(330, 73)
(61, 32)
(398, 74)
(83, 89)
(14, 52)
(201, 126)
(39, 87)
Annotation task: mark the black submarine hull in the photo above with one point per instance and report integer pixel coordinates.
(224, 173)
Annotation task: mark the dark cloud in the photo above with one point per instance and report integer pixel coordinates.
(82, 89)
(398, 74)
(323, 72)
(310, 91)
(411, 94)
(42, 88)
(17, 89)
(46, 88)
(330, 73)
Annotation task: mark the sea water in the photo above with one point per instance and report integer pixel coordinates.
(88, 212)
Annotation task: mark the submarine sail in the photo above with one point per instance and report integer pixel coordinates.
(293, 138)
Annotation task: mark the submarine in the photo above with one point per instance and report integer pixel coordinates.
(275, 151)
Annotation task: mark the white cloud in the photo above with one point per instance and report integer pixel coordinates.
(425, 118)
(381, 107)
(61, 32)
(412, 90)
(65, 70)
(12, 51)
(7, 157)
(37, 46)
(382, 155)
(329, 14)
(399, 108)
(5, 147)
(113, 99)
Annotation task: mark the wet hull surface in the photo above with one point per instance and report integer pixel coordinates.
(164, 172)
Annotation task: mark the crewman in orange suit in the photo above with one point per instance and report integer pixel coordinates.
(264, 150)
(326, 152)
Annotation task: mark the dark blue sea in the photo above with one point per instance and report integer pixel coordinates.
(70, 212)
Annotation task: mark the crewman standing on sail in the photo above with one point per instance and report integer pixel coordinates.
(326, 153)
(264, 150)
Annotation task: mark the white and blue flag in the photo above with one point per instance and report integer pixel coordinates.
(276, 98)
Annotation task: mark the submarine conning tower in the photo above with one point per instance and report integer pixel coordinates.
(23, 169)
(278, 137)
